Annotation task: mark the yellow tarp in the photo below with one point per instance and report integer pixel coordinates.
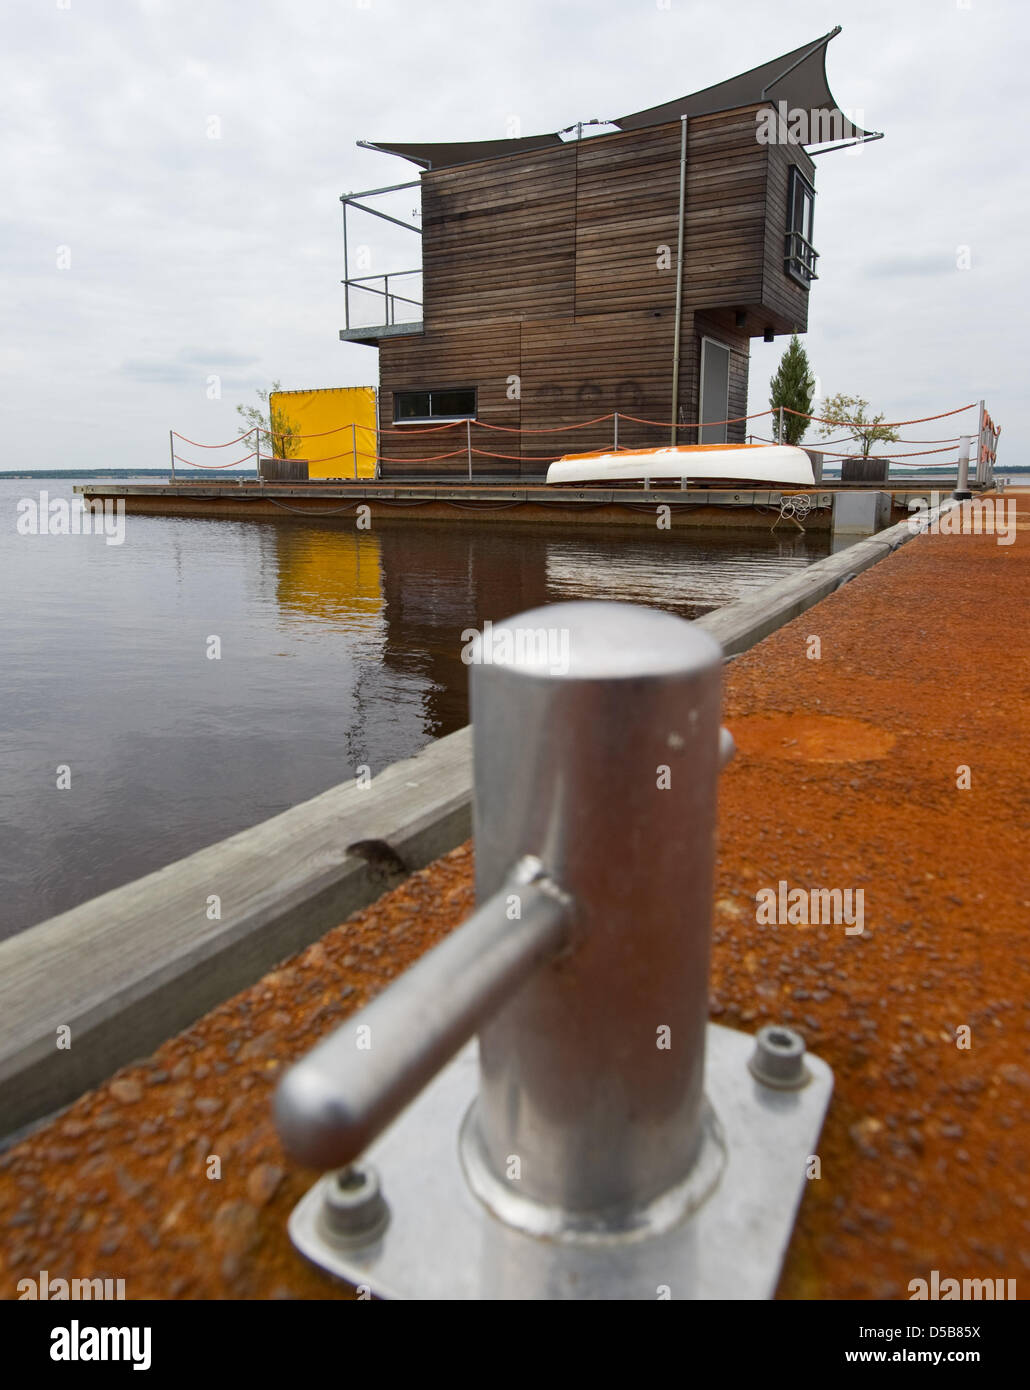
(323, 420)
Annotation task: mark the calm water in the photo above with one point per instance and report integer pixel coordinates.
(337, 648)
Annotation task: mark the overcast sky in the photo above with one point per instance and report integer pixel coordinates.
(141, 256)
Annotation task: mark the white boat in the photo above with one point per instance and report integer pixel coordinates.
(779, 464)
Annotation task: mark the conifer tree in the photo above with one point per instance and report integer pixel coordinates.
(793, 387)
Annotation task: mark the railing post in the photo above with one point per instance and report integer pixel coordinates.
(468, 445)
(616, 443)
(346, 272)
(354, 445)
(962, 483)
(386, 294)
(171, 450)
(779, 434)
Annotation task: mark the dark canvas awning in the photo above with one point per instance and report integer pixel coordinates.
(442, 156)
(797, 79)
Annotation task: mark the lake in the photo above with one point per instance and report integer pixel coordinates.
(165, 692)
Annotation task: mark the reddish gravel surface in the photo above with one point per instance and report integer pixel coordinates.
(845, 777)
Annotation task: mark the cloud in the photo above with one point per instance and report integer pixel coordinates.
(190, 156)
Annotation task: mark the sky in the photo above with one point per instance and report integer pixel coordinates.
(170, 237)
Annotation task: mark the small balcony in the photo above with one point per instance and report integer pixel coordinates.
(800, 257)
(382, 306)
(388, 304)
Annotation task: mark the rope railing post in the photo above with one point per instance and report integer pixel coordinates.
(615, 441)
(779, 432)
(171, 450)
(468, 445)
(354, 445)
(962, 483)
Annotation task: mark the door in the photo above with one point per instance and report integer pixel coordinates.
(715, 391)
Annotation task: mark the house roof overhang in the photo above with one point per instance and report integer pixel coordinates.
(796, 79)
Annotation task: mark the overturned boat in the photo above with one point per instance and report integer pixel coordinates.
(761, 464)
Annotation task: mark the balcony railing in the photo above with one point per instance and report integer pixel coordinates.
(385, 312)
(800, 258)
(375, 302)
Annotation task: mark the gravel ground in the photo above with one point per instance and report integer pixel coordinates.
(845, 777)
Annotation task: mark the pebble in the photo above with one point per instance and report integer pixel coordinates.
(234, 1229)
(127, 1090)
(263, 1182)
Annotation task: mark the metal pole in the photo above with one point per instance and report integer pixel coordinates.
(679, 282)
(354, 445)
(779, 435)
(468, 444)
(574, 1077)
(379, 436)
(962, 485)
(346, 272)
(980, 442)
(616, 444)
(171, 450)
(257, 449)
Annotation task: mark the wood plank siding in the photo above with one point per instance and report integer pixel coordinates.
(550, 288)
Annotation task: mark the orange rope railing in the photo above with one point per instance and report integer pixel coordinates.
(881, 424)
(190, 464)
(226, 445)
(986, 425)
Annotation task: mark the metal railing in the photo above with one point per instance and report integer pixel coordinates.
(987, 447)
(363, 283)
(800, 257)
(370, 284)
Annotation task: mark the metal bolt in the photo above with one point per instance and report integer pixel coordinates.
(355, 1210)
(779, 1058)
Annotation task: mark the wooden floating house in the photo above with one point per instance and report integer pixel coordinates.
(551, 266)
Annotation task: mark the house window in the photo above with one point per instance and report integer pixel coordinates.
(800, 254)
(422, 407)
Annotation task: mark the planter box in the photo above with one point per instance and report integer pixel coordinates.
(284, 470)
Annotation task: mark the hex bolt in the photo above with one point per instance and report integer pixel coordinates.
(779, 1058)
(355, 1211)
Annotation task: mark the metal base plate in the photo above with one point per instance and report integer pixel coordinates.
(442, 1243)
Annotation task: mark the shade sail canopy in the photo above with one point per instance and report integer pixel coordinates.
(465, 152)
(797, 78)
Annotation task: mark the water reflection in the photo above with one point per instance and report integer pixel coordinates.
(435, 581)
(338, 648)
